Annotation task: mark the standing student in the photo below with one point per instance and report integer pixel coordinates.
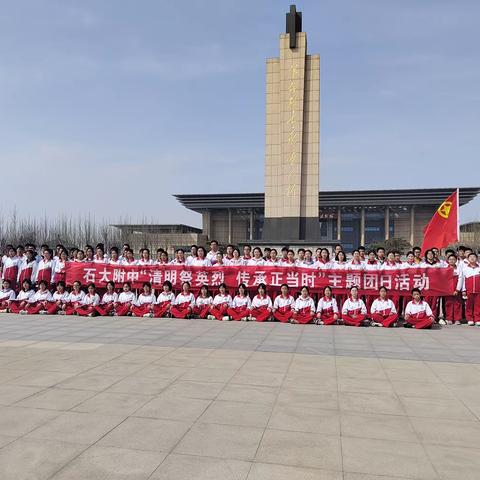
(454, 302)
(145, 302)
(192, 255)
(273, 260)
(145, 258)
(241, 304)
(45, 267)
(236, 259)
(38, 303)
(100, 254)
(262, 305)
(201, 260)
(220, 260)
(391, 265)
(164, 300)
(228, 254)
(381, 255)
(179, 257)
(202, 303)
(356, 262)
(431, 262)
(10, 267)
(354, 310)
(59, 299)
(27, 269)
(418, 313)
(471, 289)
(6, 296)
(283, 305)
(20, 304)
(59, 269)
(75, 299)
(212, 254)
(247, 254)
(323, 261)
(184, 302)
(114, 258)
(125, 301)
(304, 308)
(90, 302)
(89, 254)
(257, 259)
(220, 305)
(383, 311)
(109, 298)
(327, 308)
(129, 258)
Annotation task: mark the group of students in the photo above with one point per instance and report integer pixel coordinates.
(284, 308)
(23, 269)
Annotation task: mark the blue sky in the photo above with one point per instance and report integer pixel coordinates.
(111, 106)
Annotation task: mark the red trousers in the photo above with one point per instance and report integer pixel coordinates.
(4, 305)
(385, 320)
(34, 308)
(181, 310)
(219, 311)
(305, 315)
(141, 310)
(453, 308)
(420, 320)
(328, 318)
(52, 307)
(122, 309)
(16, 306)
(202, 311)
(237, 313)
(261, 314)
(353, 321)
(472, 307)
(161, 309)
(104, 309)
(369, 299)
(283, 314)
(85, 310)
(433, 302)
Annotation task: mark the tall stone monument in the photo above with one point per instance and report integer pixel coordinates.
(292, 139)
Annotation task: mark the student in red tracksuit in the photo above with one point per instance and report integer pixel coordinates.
(75, 299)
(471, 289)
(59, 300)
(220, 305)
(109, 298)
(183, 305)
(283, 305)
(241, 305)
(38, 303)
(125, 301)
(143, 307)
(304, 308)
(327, 308)
(88, 308)
(202, 303)
(454, 302)
(418, 313)
(354, 310)
(383, 311)
(261, 305)
(164, 301)
(11, 264)
(20, 304)
(27, 269)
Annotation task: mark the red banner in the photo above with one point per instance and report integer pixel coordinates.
(432, 281)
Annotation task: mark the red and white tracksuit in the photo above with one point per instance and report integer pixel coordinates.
(183, 305)
(6, 296)
(202, 306)
(22, 301)
(283, 308)
(471, 287)
(39, 301)
(354, 312)
(327, 308)
(143, 305)
(220, 305)
(261, 308)
(27, 271)
(454, 303)
(164, 302)
(89, 305)
(384, 312)
(107, 304)
(303, 310)
(44, 271)
(74, 300)
(240, 307)
(419, 314)
(10, 270)
(59, 271)
(124, 303)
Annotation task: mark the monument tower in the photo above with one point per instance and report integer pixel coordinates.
(292, 139)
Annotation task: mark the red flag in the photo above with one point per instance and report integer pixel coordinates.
(442, 230)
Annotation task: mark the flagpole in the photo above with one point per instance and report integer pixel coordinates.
(458, 214)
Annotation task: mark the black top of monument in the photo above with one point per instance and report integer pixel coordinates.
(293, 25)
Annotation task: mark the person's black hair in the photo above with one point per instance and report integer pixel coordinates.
(284, 285)
(27, 280)
(301, 250)
(361, 247)
(191, 246)
(284, 249)
(247, 245)
(416, 290)
(242, 285)
(213, 241)
(472, 253)
(383, 287)
(410, 252)
(452, 255)
(89, 247)
(147, 284)
(267, 249)
(290, 251)
(160, 250)
(91, 284)
(416, 248)
(110, 283)
(236, 249)
(186, 283)
(259, 249)
(168, 283)
(224, 285)
(380, 248)
(274, 250)
(356, 250)
(461, 247)
(304, 286)
(147, 249)
(126, 245)
(308, 250)
(114, 249)
(101, 245)
(262, 285)
(41, 282)
(352, 287)
(325, 288)
(338, 253)
(205, 286)
(204, 251)
(390, 252)
(370, 251)
(178, 250)
(128, 283)
(338, 245)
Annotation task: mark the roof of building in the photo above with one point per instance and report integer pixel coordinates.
(337, 198)
(158, 228)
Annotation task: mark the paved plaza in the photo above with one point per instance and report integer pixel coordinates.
(163, 399)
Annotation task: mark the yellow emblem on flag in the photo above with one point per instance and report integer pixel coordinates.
(444, 209)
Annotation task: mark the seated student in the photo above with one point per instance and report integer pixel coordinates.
(283, 305)
(90, 301)
(125, 301)
(183, 305)
(143, 307)
(39, 302)
(164, 301)
(19, 305)
(241, 304)
(418, 313)
(261, 305)
(354, 311)
(220, 305)
(107, 303)
(75, 298)
(202, 303)
(59, 300)
(304, 308)
(6, 296)
(454, 302)
(383, 312)
(327, 308)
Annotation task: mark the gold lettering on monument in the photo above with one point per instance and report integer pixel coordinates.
(292, 137)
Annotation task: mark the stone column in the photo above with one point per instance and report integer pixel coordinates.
(387, 223)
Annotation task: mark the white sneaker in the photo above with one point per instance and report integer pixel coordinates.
(251, 319)
(61, 312)
(458, 322)
(320, 322)
(449, 322)
(471, 323)
(146, 314)
(442, 322)
(22, 312)
(210, 317)
(226, 318)
(477, 324)
(42, 312)
(244, 319)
